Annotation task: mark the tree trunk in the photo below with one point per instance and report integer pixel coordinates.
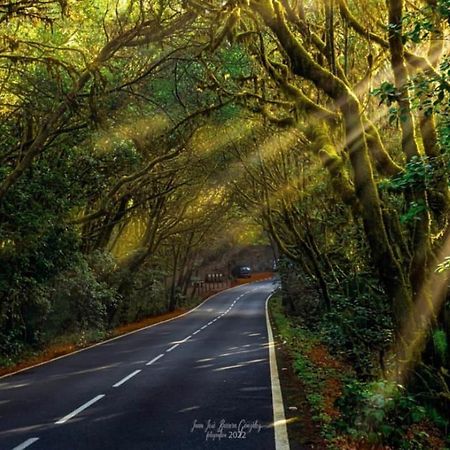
(421, 229)
(303, 65)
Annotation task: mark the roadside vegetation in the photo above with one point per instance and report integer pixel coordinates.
(353, 412)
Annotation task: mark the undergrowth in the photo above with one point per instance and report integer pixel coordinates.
(354, 413)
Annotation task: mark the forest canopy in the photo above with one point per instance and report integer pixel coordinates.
(141, 137)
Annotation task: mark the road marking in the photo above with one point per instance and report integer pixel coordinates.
(119, 337)
(124, 380)
(171, 348)
(186, 338)
(80, 409)
(195, 332)
(155, 359)
(203, 327)
(26, 444)
(279, 419)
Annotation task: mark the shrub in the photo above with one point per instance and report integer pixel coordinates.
(80, 302)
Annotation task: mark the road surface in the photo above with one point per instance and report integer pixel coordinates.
(201, 381)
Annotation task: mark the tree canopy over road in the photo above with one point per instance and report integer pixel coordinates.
(139, 137)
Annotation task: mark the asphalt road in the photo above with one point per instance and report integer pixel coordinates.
(201, 381)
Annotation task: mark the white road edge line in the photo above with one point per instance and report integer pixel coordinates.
(155, 359)
(78, 410)
(279, 419)
(195, 332)
(125, 379)
(119, 337)
(26, 444)
(171, 348)
(203, 327)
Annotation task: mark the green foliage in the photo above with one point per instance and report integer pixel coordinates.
(443, 8)
(300, 341)
(52, 283)
(387, 93)
(432, 92)
(80, 301)
(299, 291)
(440, 344)
(147, 296)
(42, 274)
(381, 412)
(23, 312)
(418, 28)
(418, 25)
(414, 212)
(195, 86)
(444, 138)
(36, 246)
(417, 174)
(359, 327)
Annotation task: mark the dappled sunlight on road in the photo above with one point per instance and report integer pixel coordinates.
(243, 364)
(191, 408)
(6, 386)
(29, 429)
(91, 370)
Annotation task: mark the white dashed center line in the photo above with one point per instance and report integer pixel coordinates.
(200, 329)
(80, 409)
(124, 380)
(26, 444)
(171, 348)
(86, 405)
(194, 333)
(155, 359)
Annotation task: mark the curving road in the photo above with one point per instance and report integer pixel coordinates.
(201, 381)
